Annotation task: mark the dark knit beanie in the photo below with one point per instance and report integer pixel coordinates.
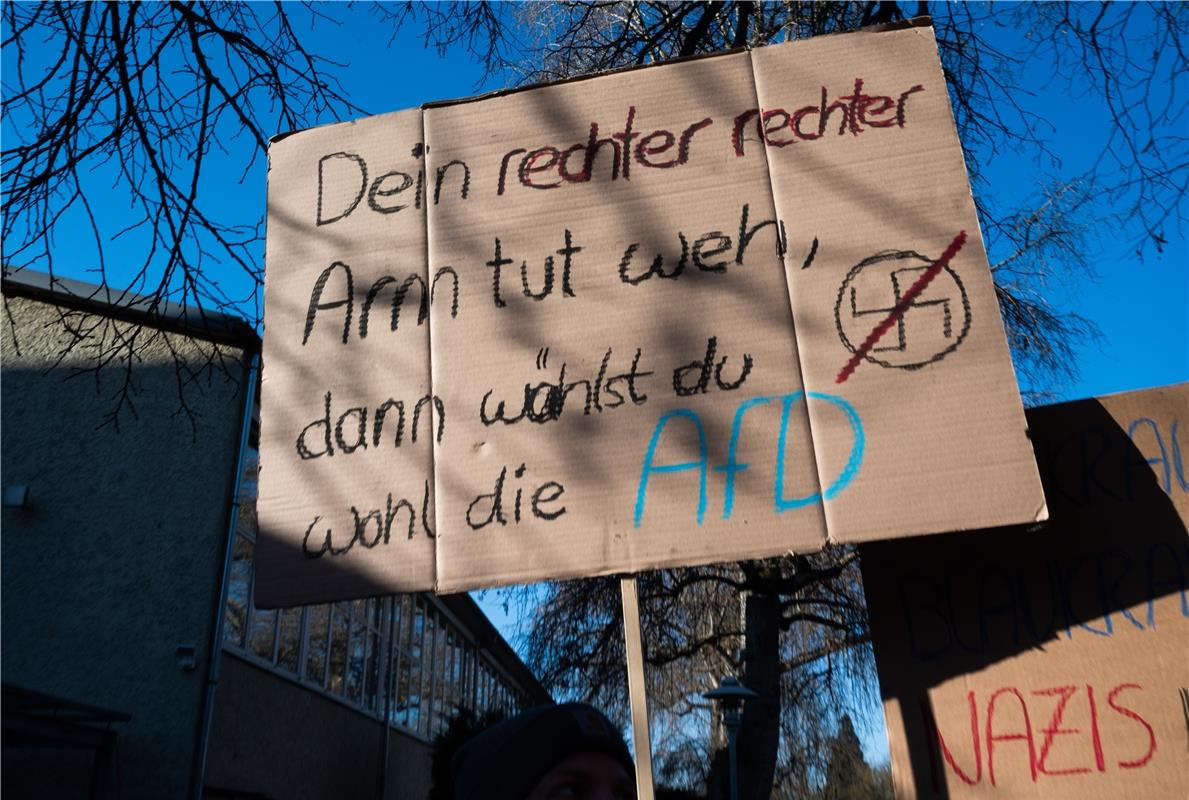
(507, 760)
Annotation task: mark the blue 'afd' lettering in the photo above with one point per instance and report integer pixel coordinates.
(733, 466)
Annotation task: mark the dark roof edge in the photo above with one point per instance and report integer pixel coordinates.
(194, 321)
(490, 639)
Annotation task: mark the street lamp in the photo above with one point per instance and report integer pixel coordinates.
(731, 694)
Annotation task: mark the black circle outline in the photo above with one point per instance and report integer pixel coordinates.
(900, 254)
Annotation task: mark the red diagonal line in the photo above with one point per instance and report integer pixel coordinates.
(900, 308)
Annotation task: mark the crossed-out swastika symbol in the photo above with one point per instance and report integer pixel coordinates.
(921, 298)
(901, 279)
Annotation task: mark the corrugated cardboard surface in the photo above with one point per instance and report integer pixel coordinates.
(344, 479)
(947, 445)
(598, 456)
(1050, 662)
(701, 253)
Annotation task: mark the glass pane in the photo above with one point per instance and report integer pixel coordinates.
(464, 675)
(433, 686)
(400, 706)
(400, 660)
(236, 613)
(481, 690)
(262, 631)
(246, 518)
(455, 677)
(470, 680)
(319, 625)
(357, 651)
(377, 651)
(428, 667)
(442, 676)
(290, 639)
(379, 617)
(404, 611)
(372, 692)
(339, 634)
(416, 663)
(442, 704)
(447, 690)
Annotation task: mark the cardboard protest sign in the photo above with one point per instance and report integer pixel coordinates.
(1051, 661)
(715, 309)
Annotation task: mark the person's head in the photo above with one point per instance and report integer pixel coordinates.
(566, 752)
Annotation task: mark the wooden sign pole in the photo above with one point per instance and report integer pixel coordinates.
(636, 692)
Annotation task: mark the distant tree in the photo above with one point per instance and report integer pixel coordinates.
(848, 777)
(882, 787)
(791, 628)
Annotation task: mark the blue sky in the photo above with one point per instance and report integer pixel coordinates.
(1140, 306)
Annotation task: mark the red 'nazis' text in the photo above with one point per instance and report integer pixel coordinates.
(1057, 731)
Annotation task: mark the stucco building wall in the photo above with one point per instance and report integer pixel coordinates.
(272, 738)
(117, 559)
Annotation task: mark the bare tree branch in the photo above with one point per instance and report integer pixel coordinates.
(140, 96)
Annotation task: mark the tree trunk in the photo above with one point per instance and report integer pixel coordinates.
(759, 735)
(758, 742)
(717, 787)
